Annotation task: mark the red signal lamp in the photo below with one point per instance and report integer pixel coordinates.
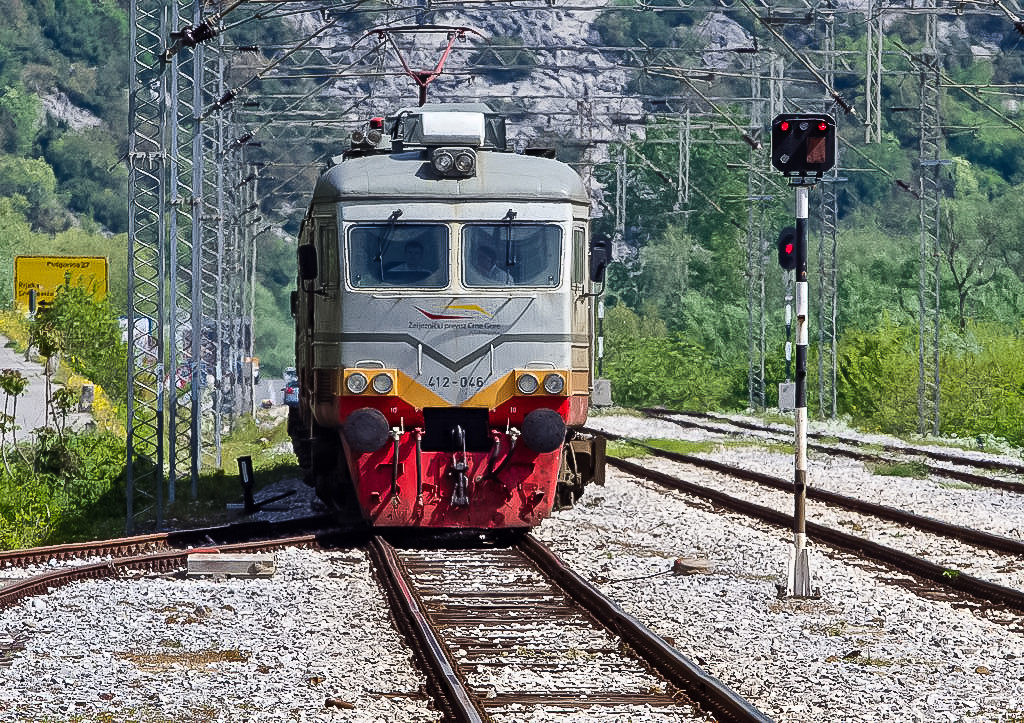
(784, 126)
(822, 126)
(787, 248)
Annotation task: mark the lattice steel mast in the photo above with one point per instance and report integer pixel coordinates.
(147, 167)
(827, 245)
(930, 192)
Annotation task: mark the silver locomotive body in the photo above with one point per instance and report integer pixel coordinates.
(444, 327)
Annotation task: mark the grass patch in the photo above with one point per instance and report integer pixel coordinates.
(765, 444)
(89, 504)
(191, 714)
(917, 470)
(266, 440)
(617, 448)
(958, 485)
(613, 412)
(682, 446)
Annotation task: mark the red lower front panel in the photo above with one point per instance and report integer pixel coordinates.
(515, 489)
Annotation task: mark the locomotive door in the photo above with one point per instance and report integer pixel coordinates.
(582, 329)
(326, 307)
(316, 315)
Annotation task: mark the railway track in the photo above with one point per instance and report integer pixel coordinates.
(715, 423)
(175, 540)
(509, 633)
(939, 578)
(160, 552)
(498, 635)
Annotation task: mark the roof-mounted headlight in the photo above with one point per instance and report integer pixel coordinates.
(454, 162)
(443, 161)
(465, 162)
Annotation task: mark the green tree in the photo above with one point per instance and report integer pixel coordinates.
(19, 119)
(86, 334)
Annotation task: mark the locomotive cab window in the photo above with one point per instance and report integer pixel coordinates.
(393, 255)
(579, 256)
(517, 254)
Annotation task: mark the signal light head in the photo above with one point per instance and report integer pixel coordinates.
(787, 248)
(803, 144)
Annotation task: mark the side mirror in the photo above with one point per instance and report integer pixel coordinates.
(600, 257)
(294, 303)
(307, 262)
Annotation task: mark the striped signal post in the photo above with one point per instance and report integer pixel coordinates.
(798, 582)
(803, 148)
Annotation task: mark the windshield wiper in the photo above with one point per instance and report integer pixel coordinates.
(384, 241)
(510, 249)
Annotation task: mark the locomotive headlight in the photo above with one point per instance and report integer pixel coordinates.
(453, 162)
(356, 383)
(382, 383)
(554, 384)
(358, 136)
(443, 161)
(465, 162)
(527, 384)
(373, 137)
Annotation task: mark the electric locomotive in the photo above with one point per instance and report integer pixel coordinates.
(444, 326)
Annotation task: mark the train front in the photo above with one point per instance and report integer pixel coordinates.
(448, 328)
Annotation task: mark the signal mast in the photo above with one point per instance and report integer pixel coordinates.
(803, 148)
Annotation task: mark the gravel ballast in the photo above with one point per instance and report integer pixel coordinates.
(315, 643)
(867, 650)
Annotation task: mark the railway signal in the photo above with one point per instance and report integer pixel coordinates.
(787, 248)
(803, 148)
(804, 144)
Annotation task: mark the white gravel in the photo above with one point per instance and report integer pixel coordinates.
(184, 649)
(866, 651)
(997, 511)
(278, 649)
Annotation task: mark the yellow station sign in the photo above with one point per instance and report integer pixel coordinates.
(46, 274)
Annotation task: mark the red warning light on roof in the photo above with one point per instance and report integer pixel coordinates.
(377, 123)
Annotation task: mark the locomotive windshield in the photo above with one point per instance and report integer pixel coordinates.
(512, 254)
(408, 254)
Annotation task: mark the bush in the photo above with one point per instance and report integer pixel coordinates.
(56, 483)
(981, 376)
(671, 371)
(87, 335)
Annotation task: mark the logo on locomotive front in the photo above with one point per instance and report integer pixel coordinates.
(454, 307)
(467, 317)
